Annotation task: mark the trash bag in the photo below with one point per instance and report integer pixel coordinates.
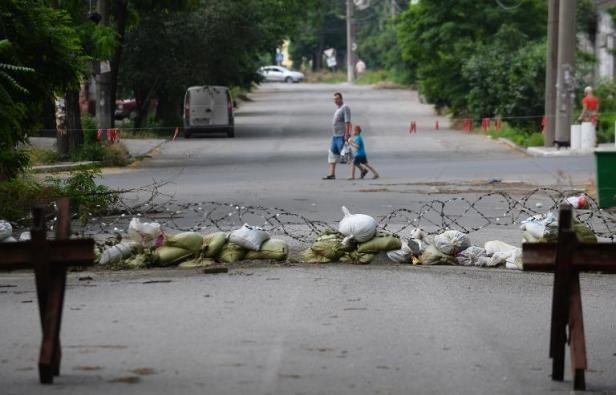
(249, 237)
(359, 227)
(474, 256)
(118, 252)
(168, 256)
(231, 253)
(433, 256)
(450, 242)
(330, 245)
(191, 241)
(213, 243)
(540, 227)
(6, 229)
(138, 261)
(25, 236)
(503, 253)
(309, 256)
(583, 233)
(272, 249)
(403, 255)
(382, 241)
(357, 258)
(148, 234)
(417, 246)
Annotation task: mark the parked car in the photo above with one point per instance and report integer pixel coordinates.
(280, 74)
(126, 108)
(208, 108)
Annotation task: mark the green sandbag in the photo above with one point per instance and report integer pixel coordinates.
(271, 249)
(583, 233)
(357, 258)
(432, 256)
(197, 262)
(329, 245)
(191, 241)
(310, 256)
(138, 261)
(383, 241)
(213, 243)
(231, 253)
(167, 256)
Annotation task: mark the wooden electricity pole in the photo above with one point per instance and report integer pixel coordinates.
(551, 72)
(566, 70)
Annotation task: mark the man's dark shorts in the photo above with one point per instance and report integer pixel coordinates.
(360, 160)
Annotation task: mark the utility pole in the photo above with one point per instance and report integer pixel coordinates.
(103, 77)
(350, 41)
(566, 71)
(551, 72)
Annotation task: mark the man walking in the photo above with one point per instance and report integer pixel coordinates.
(341, 132)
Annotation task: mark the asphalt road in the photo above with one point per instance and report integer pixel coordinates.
(331, 329)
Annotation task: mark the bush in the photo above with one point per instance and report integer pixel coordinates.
(42, 156)
(114, 154)
(18, 195)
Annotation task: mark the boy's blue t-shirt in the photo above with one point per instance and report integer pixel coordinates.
(360, 150)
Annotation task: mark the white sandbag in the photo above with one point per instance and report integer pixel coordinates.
(9, 239)
(474, 256)
(118, 252)
(359, 227)
(403, 255)
(451, 242)
(540, 226)
(501, 252)
(249, 237)
(25, 236)
(145, 233)
(6, 230)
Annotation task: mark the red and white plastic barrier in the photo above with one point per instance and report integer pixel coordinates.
(413, 127)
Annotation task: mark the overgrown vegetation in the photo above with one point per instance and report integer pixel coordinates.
(521, 137)
(18, 195)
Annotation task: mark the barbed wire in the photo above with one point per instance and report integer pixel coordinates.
(463, 213)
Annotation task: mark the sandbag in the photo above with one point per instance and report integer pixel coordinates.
(197, 262)
(168, 256)
(403, 255)
(382, 241)
(583, 233)
(501, 252)
(118, 252)
(138, 261)
(213, 243)
(474, 256)
(357, 258)
(6, 229)
(272, 249)
(148, 234)
(433, 256)
(417, 246)
(450, 242)
(309, 256)
(191, 241)
(249, 237)
(231, 253)
(330, 245)
(359, 227)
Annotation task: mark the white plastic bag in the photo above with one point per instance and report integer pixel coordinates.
(249, 237)
(346, 155)
(359, 227)
(145, 233)
(451, 242)
(403, 255)
(118, 252)
(539, 226)
(474, 256)
(501, 252)
(6, 230)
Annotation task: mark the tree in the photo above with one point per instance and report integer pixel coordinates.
(36, 38)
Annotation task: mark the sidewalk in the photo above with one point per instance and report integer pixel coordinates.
(553, 151)
(137, 148)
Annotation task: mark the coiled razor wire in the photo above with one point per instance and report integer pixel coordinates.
(468, 215)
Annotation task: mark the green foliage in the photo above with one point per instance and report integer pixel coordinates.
(42, 156)
(521, 137)
(326, 76)
(18, 195)
(114, 154)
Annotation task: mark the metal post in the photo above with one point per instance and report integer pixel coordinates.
(566, 70)
(551, 73)
(350, 41)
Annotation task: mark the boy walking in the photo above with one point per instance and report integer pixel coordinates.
(360, 159)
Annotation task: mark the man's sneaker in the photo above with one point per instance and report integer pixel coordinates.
(363, 173)
(330, 177)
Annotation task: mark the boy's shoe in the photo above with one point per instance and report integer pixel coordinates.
(330, 177)
(363, 173)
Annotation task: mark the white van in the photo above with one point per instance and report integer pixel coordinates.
(208, 109)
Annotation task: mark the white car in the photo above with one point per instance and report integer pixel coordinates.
(280, 74)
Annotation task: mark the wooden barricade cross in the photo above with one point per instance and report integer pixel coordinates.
(567, 258)
(49, 259)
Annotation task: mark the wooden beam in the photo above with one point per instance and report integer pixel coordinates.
(77, 252)
(600, 257)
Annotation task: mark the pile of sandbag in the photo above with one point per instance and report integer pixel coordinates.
(6, 233)
(544, 228)
(149, 246)
(356, 241)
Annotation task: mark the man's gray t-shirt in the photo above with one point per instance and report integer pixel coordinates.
(341, 117)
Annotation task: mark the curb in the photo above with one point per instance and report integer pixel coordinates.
(513, 145)
(64, 167)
